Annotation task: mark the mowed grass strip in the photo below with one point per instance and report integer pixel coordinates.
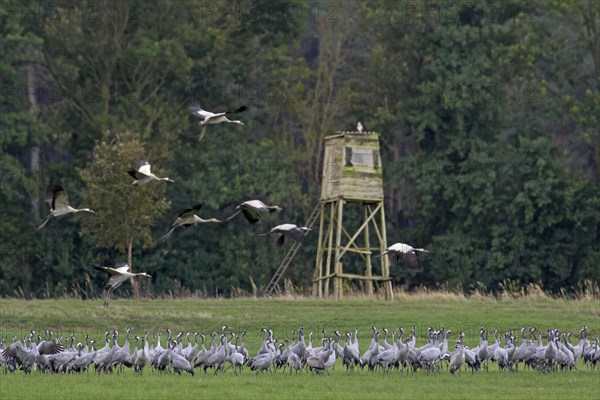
(64, 317)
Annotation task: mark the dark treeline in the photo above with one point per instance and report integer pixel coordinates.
(488, 115)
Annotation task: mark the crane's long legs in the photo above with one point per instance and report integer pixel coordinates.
(45, 222)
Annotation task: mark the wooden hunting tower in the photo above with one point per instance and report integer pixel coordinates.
(352, 176)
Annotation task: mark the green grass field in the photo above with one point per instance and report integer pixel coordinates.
(18, 317)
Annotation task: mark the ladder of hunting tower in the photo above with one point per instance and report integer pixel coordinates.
(290, 254)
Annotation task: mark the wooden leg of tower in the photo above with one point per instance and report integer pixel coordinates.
(332, 210)
(389, 293)
(337, 280)
(368, 272)
(317, 289)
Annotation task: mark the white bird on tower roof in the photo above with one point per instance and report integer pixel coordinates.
(359, 127)
(144, 175)
(404, 251)
(213, 118)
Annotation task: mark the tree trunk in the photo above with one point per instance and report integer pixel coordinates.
(34, 154)
(134, 284)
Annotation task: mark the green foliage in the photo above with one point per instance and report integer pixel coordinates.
(488, 115)
(125, 212)
(491, 199)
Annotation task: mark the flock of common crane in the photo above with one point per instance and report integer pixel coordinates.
(227, 350)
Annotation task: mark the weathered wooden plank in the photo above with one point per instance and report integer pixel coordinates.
(353, 276)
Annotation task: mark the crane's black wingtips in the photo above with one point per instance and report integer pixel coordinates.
(280, 240)
(251, 216)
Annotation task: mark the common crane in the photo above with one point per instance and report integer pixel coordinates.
(299, 348)
(457, 359)
(372, 351)
(218, 358)
(180, 363)
(204, 354)
(190, 351)
(322, 361)
(209, 118)
(83, 360)
(143, 174)
(236, 358)
(263, 361)
(117, 276)
(141, 358)
(252, 209)
(351, 356)
(60, 205)
(295, 232)
(187, 218)
(294, 362)
(404, 251)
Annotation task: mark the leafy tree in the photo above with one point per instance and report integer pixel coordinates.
(453, 151)
(125, 213)
(488, 115)
(555, 86)
(21, 134)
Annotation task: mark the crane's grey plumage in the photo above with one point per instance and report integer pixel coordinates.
(350, 355)
(217, 359)
(144, 175)
(323, 360)
(404, 251)
(117, 276)
(372, 351)
(204, 354)
(60, 205)
(458, 358)
(252, 209)
(142, 356)
(295, 232)
(187, 218)
(209, 118)
(180, 363)
(83, 360)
